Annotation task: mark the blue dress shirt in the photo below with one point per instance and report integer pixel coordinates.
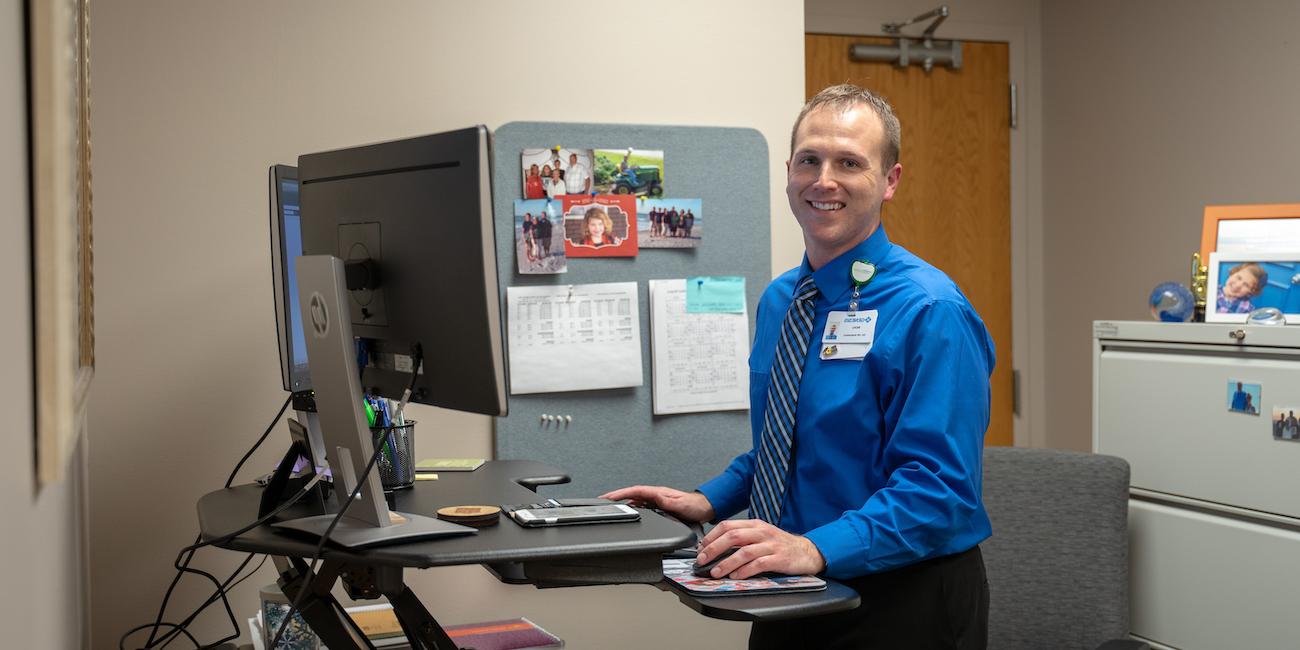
(887, 462)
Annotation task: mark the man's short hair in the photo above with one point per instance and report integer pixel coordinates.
(843, 98)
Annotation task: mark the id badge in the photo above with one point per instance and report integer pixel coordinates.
(848, 335)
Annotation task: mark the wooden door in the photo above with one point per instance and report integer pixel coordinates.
(953, 206)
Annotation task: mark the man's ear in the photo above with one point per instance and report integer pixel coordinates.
(891, 180)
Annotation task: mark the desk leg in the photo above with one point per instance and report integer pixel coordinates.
(319, 608)
(422, 630)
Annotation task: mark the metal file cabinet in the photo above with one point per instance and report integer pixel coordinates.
(1214, 513)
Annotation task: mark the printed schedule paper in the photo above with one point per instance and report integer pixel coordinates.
(699, 361)
(574, 337)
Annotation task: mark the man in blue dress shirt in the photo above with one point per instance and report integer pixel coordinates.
(882, 478)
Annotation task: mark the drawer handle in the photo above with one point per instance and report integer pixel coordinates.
(1239, 335)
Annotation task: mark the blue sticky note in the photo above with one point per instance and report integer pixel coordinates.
(719, 294)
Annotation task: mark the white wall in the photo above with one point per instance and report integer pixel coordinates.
(1154, 110)
(41, 604)
(193, 101)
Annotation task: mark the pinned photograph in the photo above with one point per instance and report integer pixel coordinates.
(669, 223)
(1241, 283)
(1286, 423)
(1243, 397)
(639, 172)
(599, 226)
(555, 172)
(538, 244)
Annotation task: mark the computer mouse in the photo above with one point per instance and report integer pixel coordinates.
(702, 570)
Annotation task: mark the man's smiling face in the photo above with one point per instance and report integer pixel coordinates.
(835, 182)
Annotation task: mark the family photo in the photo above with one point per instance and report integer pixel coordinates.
(555, 172)
(538, 245)
(669, 223)
(1285, 424)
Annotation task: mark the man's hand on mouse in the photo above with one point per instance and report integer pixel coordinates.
(763, 548)
(688, 506)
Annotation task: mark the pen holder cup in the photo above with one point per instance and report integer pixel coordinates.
(397, 461)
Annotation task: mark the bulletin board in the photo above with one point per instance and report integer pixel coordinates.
(614, 439)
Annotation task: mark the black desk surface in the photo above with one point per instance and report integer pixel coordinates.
(495, 483)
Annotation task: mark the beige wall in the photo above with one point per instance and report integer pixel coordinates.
(41, 603)
(192, 103)
(1153, 110)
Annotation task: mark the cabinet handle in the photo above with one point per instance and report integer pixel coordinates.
(1239, 335)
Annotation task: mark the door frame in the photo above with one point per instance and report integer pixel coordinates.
(1027, 303)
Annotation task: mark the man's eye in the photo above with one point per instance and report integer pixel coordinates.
(851, 164)
(808, 160)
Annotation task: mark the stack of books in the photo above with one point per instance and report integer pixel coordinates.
(384, 632)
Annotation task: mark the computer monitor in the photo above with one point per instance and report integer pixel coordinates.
(399, 251)
(416, 215)
(286, 246)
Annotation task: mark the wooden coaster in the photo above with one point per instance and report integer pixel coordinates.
(476, 516)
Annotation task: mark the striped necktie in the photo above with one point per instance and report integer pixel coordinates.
(773, 462)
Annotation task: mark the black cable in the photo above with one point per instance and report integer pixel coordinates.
(188, 552)
(181, 628)
(257, 444)
(180, 570)
(320, 546)
(223, 589)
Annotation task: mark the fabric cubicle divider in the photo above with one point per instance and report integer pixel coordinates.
(614, 438)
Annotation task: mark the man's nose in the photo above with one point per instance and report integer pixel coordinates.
(826, 175)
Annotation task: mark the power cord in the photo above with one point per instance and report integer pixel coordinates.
(182, 567)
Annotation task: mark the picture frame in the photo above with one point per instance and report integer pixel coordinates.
(1263, 228)
(62, 241)
(1278, 286)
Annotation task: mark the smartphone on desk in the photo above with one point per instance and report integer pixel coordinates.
(570, 515)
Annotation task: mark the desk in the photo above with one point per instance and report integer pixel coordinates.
(624, 552)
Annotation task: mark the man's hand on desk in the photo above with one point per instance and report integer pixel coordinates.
(687, 506)
(763, 548)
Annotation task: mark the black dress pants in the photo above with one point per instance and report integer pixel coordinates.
(942, 602)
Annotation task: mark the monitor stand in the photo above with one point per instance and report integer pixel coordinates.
(346, 434)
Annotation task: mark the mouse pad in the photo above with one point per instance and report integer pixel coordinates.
(679, 573)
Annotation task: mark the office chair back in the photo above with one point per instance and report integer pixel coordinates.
(1058, 558)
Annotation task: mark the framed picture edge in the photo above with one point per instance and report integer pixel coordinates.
(61, 235)
(1216, 213)
(1212, 283)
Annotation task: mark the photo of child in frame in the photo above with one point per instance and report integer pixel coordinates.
(599, 226)
(1240, 285)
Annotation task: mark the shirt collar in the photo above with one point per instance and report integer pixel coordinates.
(833, 280)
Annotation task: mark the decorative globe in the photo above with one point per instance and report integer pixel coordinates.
(1172, 303)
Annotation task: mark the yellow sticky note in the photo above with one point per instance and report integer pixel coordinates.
(425, 476)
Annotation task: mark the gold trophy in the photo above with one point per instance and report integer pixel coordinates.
(1200, 275)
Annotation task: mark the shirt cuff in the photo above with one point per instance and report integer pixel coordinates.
(726, 495)
(843, 548)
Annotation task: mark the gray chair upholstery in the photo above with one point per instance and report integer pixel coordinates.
(1058, 559)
